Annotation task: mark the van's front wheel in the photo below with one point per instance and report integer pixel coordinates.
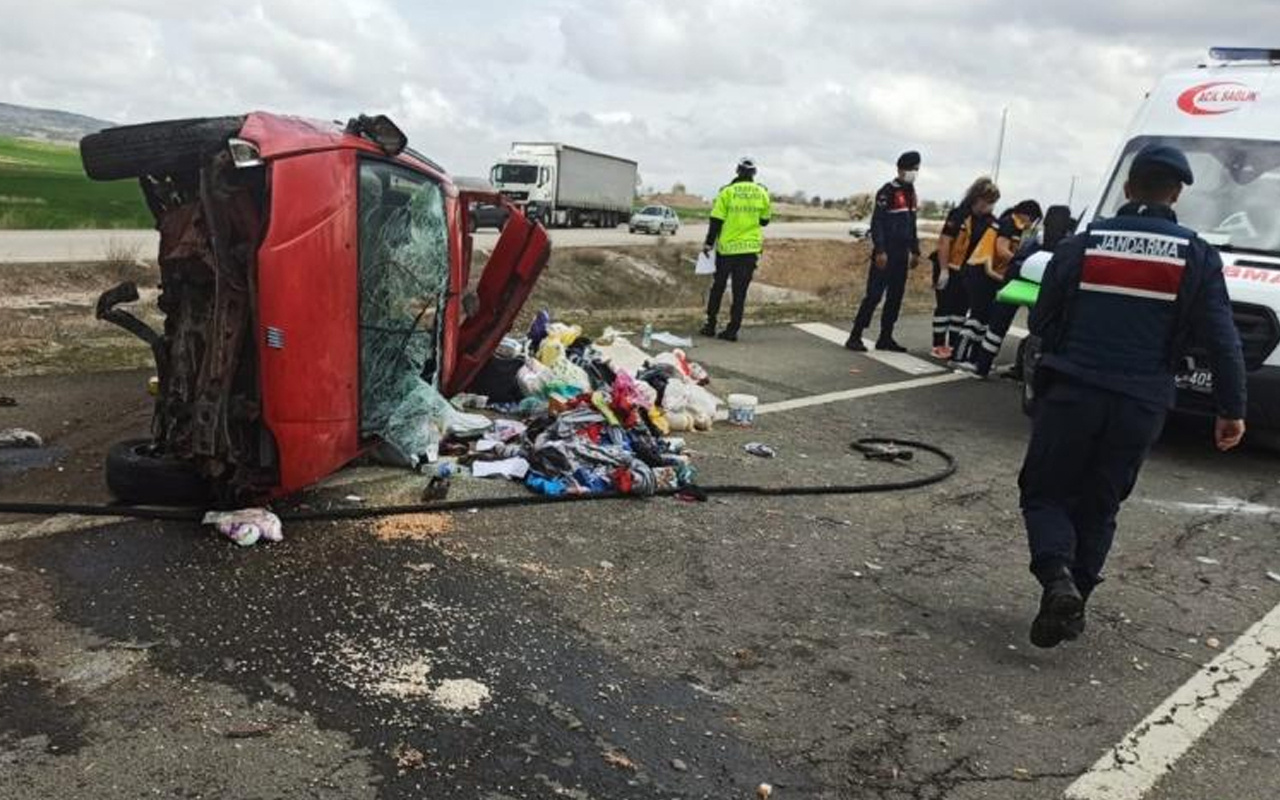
(137, 474)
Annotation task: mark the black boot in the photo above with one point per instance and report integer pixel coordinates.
(888, 345)
(728, 335)
(854, 342)
(709, 329)
(1061, 616)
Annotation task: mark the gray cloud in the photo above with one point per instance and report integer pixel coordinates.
(822, 92)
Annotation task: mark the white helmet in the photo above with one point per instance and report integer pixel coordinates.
(746, 164)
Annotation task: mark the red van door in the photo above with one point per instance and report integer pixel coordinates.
(509, 275)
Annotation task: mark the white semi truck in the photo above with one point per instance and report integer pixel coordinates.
(565, 186)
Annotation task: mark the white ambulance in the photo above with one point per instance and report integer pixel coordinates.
(1225, 115)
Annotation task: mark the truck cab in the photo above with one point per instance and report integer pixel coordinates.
(527, 177)
(1225, 116)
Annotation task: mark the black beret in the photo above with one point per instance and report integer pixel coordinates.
(1165, 156)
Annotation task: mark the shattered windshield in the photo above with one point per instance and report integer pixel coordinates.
(1235, 200)
(404, 279)
(515, 173)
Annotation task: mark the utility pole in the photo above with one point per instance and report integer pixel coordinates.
(995, 170)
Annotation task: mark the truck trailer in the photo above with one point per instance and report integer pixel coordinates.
(565, 186)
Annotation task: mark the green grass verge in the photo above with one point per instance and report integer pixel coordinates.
(43, 187)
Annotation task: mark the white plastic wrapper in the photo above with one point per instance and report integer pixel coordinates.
(246, 526)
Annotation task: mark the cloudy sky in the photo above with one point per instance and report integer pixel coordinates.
(823, 93)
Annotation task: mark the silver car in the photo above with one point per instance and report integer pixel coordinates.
(654, 219)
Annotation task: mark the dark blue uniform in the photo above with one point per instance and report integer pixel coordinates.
(1120, 305)
(893, 232)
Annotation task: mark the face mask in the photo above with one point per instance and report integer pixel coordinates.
(910, 176)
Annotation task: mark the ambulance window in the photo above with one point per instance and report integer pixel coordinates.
(1236, 191)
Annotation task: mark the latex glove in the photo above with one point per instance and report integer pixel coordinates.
(944, 277)
(1227, 433)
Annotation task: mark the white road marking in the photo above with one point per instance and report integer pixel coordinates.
(62, 523)
(1133, 767)
(855, 394)
(904, 362)
(1220, 505)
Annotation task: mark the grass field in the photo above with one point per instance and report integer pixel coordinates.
(43, 186)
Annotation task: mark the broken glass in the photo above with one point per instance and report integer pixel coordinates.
(404, 283)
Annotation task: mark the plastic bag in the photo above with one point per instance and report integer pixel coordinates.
(534, 378)
(566, 372)
(246, 526)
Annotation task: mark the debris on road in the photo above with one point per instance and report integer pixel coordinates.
(742, 409)
(460, 694)
(252, 730)
(764, 791)
(413, 527)
(408, 758)
(20, 438)
(1275, 576)
(760, 449)
(591, 419)
(246, 526)
(679, 766)
(7, 402)
(615, 759)
(1208, 561)
(671, 340)
(512, 468)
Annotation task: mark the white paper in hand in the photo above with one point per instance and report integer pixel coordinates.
(706, 264)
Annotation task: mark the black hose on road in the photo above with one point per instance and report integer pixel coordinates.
(949, 466)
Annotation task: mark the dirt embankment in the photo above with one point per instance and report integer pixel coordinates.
(47, 324)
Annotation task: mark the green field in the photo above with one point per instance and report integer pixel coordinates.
(43, 186)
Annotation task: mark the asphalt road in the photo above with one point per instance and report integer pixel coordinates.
(867, 646)
(90, 245)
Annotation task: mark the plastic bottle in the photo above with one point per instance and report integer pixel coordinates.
(646, 341)
(440, 469)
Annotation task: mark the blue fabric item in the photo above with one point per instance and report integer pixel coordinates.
(538, 329)
(544, 485)
(591, 481)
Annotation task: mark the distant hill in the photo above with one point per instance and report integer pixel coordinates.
(41, 123)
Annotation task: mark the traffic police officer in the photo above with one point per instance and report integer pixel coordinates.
(1115, 314)
(895, 249)
(740, 211)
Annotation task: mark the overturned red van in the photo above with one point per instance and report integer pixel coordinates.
(312, 276)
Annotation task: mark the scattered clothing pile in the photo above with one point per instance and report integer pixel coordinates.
(588, 424)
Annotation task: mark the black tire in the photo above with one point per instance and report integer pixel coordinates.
(136, 475)
(155, 148)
